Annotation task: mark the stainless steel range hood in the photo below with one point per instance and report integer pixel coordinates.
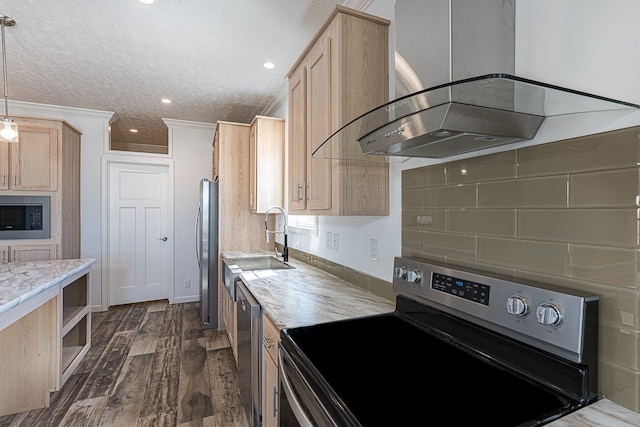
(460, 117)
(446, 54)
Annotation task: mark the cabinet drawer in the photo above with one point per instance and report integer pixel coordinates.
(270, 337)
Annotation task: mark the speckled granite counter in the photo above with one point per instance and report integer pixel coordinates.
(307, 295)
(603, 413)
(20, 282)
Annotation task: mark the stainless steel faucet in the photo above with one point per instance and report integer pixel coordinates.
(285, 249)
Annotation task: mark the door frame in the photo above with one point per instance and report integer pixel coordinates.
(132, 161)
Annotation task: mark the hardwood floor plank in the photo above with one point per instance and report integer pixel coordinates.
(159, 305)
(227, 406)
(117, 313)
(194, 392)
(13, 420)
(147, 339)
(134, 318)
(216, 340)
(105, 372)
(172, 323)
(125, 401)
(85, 412)
(191, 323)
(100, 337)
(165, 419)
(162, 391)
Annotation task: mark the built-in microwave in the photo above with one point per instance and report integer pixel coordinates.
(25, 217)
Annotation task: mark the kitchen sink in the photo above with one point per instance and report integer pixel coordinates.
(258, 263)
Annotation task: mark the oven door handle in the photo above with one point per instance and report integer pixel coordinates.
(296, 407)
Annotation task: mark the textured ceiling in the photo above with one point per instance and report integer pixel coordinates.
(124, 56)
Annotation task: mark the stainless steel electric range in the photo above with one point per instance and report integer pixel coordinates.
(463, 346)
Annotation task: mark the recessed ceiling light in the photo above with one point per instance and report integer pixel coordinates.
(147, 1)
(133, 130)
(269, 65)
(165, 101)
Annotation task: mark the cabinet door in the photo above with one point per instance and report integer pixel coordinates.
(319, 126)
(266, 168)
(34, 158)
(298, 141)
(270, 340)
(253, 166)
(216, 155)
(5, 171)
(32, 252)
(269, 392)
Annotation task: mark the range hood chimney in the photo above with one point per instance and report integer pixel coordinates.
(477, 108)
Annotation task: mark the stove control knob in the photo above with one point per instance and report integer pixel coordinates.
(549, 314)
(414, 276)
(517, 305)
(400, 272)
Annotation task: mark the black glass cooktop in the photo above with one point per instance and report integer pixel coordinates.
(386, 370)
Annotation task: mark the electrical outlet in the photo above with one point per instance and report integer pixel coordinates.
(336, 241)
(373, 250)
(187, 283)
(329, 240)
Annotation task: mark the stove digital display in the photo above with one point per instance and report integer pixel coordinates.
(466, 289)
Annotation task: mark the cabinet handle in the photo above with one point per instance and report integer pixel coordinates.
(4, 256)
(4, 179)
(15, 180)
(267, 342)
(298, 192)
(275, 401)
(306, 191)
(14, 255)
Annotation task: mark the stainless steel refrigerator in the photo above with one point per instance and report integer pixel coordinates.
(207, 252)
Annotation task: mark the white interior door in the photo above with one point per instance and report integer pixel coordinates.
(139, 239)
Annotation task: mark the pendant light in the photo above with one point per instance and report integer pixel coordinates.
(8, 128)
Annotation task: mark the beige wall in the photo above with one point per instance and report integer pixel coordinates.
(564, 213)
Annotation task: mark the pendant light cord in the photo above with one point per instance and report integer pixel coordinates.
(4, 73)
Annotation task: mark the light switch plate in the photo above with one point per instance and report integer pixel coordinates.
(373, 250)
(329, 240)
(336, 241)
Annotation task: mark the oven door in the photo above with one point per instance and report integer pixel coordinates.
(384, 370)
(299, 404)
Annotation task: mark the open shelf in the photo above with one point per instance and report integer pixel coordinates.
(75, 328)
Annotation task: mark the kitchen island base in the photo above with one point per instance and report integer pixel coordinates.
(45, 323)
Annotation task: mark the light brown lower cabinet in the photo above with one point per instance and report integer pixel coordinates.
(28, 351)
(270, 340)
(42, 348)
(28, 252)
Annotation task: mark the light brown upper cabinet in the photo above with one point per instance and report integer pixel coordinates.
(342, 74)
(266, 167)
(32, 163)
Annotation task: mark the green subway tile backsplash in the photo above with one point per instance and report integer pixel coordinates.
(520, 193)
(479, 169)
(619, 188)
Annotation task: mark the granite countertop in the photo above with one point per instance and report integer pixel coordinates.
(307, 295)
(21, 281)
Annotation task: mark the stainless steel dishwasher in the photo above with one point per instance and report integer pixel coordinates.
(249, 335)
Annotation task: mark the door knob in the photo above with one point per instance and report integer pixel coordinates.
(164, 239)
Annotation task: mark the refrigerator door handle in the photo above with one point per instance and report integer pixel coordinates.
(198, 234)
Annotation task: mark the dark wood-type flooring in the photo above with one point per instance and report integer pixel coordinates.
(150, 364)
